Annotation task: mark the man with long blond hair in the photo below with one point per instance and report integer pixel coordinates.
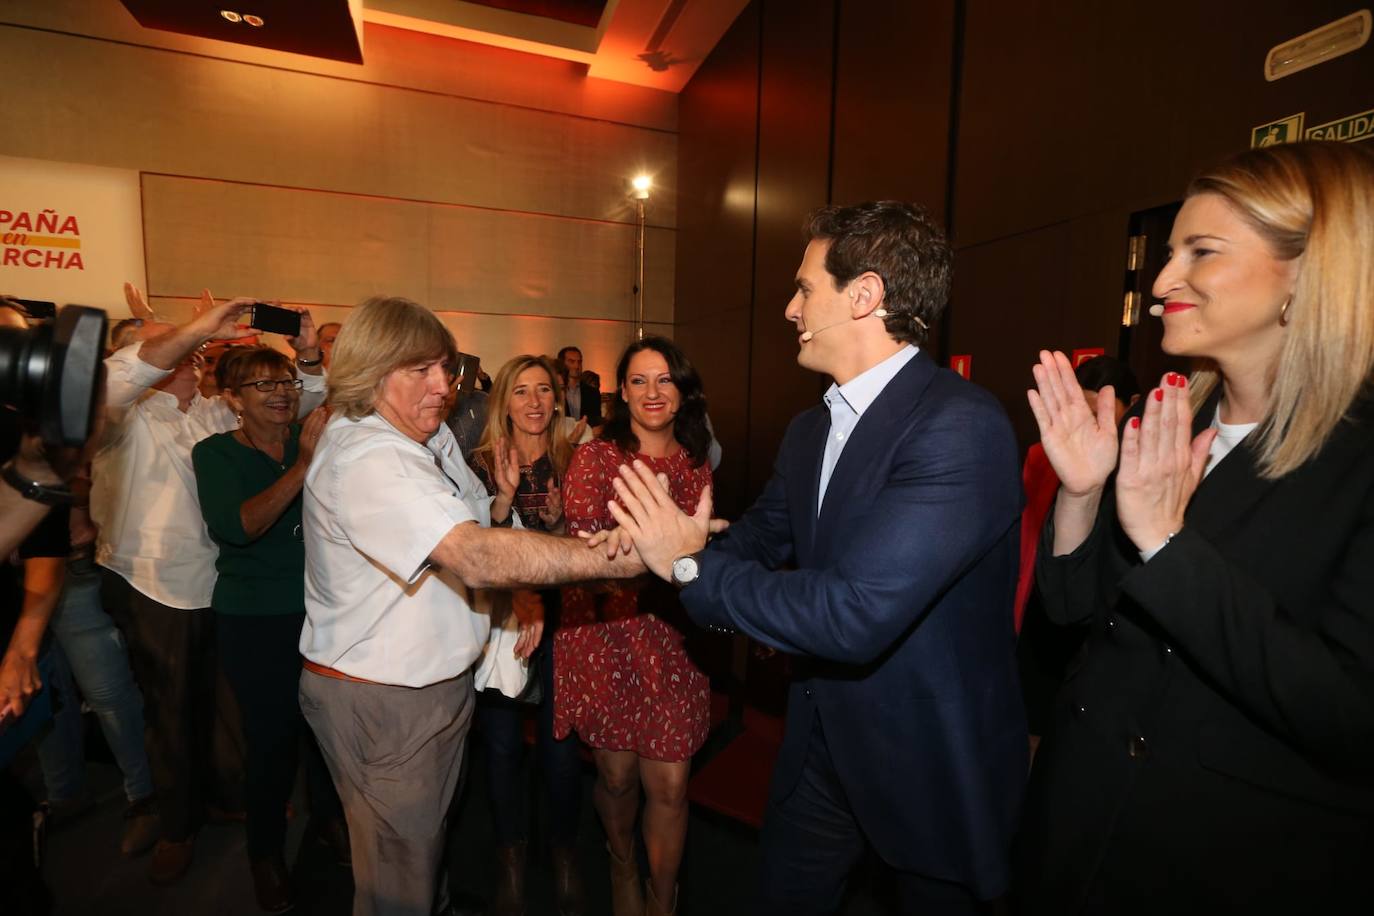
(399, 534)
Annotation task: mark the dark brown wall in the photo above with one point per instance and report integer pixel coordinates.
(1075, 114)
(1068, 117)
(844, 113)
(892, 102)
(793, 175)
(714, 297)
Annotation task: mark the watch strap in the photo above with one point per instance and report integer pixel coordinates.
(47, 494)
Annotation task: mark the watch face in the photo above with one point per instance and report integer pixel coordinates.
(685, 569)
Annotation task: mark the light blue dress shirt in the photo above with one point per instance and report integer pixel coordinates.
(847, 404)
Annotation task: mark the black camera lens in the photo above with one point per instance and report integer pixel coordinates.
(50, 374)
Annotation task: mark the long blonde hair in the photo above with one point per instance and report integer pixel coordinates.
(383, 334)
(1313, 201)
(499, 426)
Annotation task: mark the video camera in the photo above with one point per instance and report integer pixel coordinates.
(50, 372)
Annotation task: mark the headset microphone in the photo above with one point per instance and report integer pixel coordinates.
(876, 313)
(808, 335)
(1157, 309)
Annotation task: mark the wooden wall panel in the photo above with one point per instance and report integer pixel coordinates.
(892, 102)
(1068, 108)
(179, 114)
(331, 248)
(1034, 290)
(793, 179)
(715, 236)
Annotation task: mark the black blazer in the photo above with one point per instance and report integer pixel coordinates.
(591, 405)
(1213, 744)
(900, 607)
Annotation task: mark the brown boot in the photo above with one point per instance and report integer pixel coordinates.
(170, 861)
(651, 905)
(627, 895)
(510, 882)
(567, 882)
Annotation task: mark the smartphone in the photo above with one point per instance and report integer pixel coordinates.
(467, 372)
(35, 309)
(274, 319)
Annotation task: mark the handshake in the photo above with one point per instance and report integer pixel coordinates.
(651, 523)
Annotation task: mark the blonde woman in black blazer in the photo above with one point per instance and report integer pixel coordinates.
(1213, 745)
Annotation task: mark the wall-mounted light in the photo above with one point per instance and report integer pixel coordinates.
(230, 15)
(639, 193)
(1317, 46)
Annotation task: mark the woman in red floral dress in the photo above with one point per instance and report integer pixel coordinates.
(623, 679)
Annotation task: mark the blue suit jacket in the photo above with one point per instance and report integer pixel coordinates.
(900, 603)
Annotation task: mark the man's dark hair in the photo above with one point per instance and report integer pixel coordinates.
(689, 427)
(566, 350)
(900, 243)
(1100, 371)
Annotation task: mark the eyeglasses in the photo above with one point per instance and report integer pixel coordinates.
(271, 384)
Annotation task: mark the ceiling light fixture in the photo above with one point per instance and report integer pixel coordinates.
(1317, 46)
(255, 21)
(230, 15)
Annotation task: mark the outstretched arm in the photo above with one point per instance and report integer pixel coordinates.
(502, 558)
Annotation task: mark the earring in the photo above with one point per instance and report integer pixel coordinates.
(1283, 312)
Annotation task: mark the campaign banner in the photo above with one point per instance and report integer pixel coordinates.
(70, 233)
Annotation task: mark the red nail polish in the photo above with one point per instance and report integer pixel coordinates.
(1159, 394)
(1135, 422)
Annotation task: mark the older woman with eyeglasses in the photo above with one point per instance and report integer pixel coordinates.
(250, 481)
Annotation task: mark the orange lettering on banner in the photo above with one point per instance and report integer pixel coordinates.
(33, 257)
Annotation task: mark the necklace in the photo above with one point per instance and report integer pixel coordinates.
(257, 448)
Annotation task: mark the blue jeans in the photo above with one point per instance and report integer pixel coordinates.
(88, 645)
(502, 731)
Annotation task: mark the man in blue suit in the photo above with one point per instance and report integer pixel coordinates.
(882, 553)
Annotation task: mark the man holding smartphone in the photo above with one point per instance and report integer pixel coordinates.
(158, 559)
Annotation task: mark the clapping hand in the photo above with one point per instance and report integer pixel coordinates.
(1080, 439)
(551, 513)
(1161, 465)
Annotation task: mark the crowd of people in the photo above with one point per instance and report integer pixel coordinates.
(378, 553)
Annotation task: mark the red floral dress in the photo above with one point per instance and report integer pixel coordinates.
(622, 679)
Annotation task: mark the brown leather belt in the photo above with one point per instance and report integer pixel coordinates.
(326, 671)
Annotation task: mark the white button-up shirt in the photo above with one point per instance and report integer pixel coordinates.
(377, 503)
(847, 404)
(143, 491)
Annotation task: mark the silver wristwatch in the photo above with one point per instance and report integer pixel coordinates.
(685, 570)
